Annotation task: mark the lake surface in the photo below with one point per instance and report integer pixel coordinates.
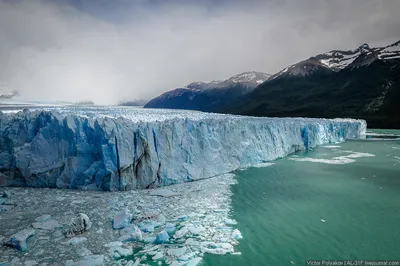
(320, 208)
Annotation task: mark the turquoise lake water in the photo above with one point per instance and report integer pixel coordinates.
(330, 203)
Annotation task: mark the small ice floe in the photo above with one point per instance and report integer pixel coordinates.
(236, 234)
(218, 248)
(194, 261)
(150, 240)
(261, 165)
(122, 219)
(76, 240)
(47, 225)
(162, 237)
(19, 239)
(5, 194)
(177, 252)
(163, 193)
(78, 225)
(331, 146)
(322, 220)
(181, 232)
(130, 233)
(170, 228)
(336, 160)
(120, 252)
(196, 229)
(43, 218)
(90, 260)
(346, 159)
(230, 222)
(5, 208)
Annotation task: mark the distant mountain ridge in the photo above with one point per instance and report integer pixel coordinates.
(209, 96)
(337, 60)
(7, 93)
(360, 83)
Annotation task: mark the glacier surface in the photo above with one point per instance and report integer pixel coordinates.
(103, 148)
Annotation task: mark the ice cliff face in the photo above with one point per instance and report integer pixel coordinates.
(64, 150)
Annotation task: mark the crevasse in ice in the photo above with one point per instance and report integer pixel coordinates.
(124, 149)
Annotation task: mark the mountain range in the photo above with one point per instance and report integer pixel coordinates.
(209, 96)
(361, 83)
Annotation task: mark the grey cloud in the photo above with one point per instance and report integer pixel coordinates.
(58, 52)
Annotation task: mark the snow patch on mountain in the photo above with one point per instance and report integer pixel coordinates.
(337, 60)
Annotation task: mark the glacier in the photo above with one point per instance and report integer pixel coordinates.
(104, 148)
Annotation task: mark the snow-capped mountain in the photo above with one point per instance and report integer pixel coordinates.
(362, 83)
(337, 60)
(208, 96)
(250, 79)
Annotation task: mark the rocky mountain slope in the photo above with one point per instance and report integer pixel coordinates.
(361, 83)
(209, 96)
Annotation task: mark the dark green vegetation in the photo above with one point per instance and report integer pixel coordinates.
(370, 92)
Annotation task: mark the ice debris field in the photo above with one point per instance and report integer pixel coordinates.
(124, 149)
(174, 226)
(138, 150)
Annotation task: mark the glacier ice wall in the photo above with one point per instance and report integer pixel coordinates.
(65, 150)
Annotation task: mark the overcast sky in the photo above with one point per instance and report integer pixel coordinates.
(112, 50)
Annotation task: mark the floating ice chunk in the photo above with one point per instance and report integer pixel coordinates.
(91, 260)
(230, 222)
(19, 239)
(226, 246)
(150, 240)
(261, 165)
(47, 225)
(43, 218)
(78, 225)
(181, 233)
(122, 219)
(163, 193)
(357, 155)
(162, 237)
(5, 208)
(322, 220)
(196, 230)
(170, 228)
(177, 252)
(77, 240)
(118, 252)
(30, 263)
(159, 255)
(114, 244)
(176, 263)
(331, 146)
(215, 251)
(336, 160)
(147, 226)
(236, 234)
(130, 233)
(182, 218)
(160, 220)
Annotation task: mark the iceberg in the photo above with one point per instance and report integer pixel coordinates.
(125, 149)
